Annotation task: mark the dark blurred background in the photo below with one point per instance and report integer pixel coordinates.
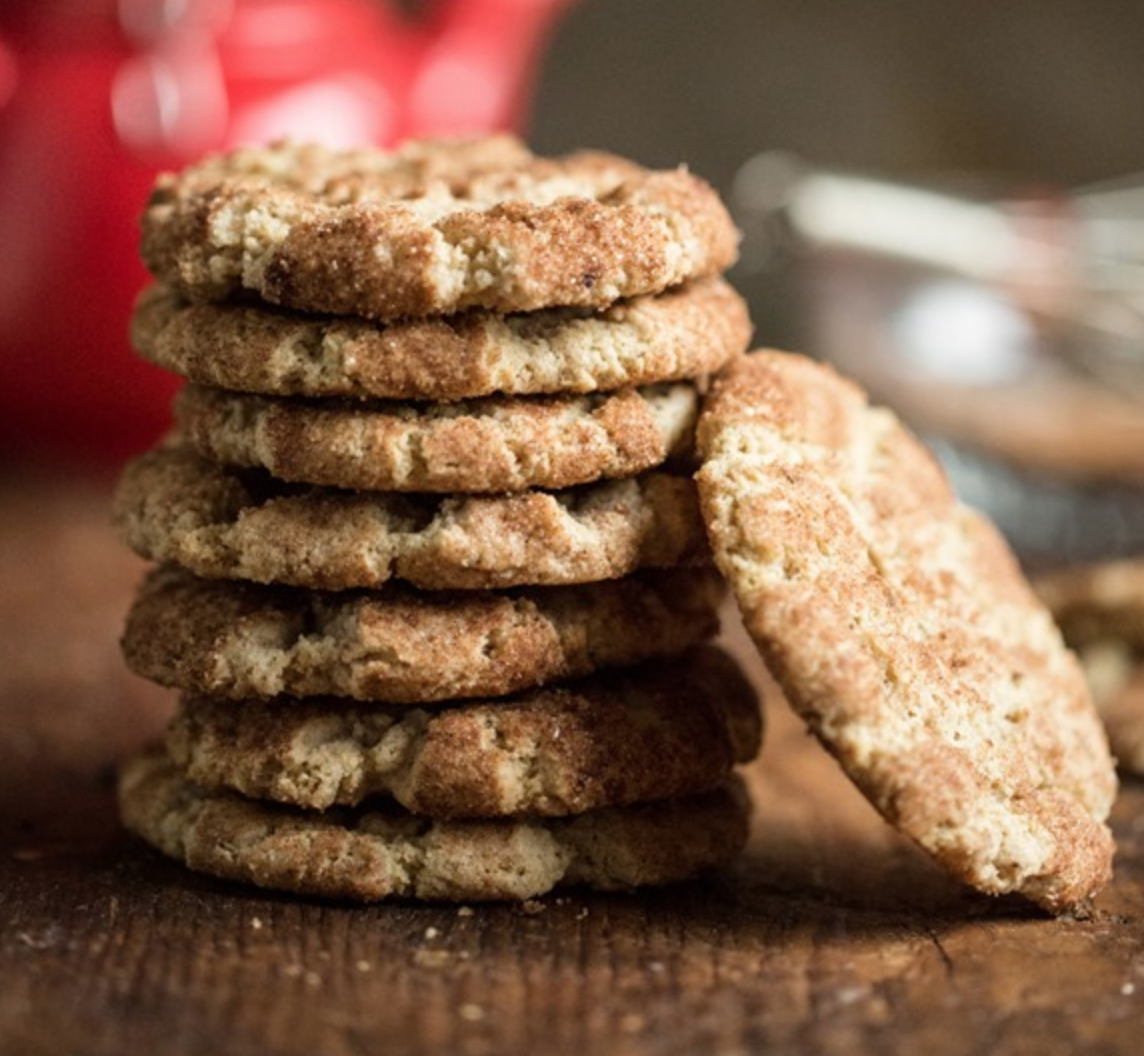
(1004, 93)
(1046, 89)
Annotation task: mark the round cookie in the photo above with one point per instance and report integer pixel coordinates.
(431, 228)
(683, 333)
(374, 854)
(494, 445)
(173, 505)
(237, 640)
(659, 731)
(903, 632)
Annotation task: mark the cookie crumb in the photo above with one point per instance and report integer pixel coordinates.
(465, 911)
(532, 907)
(471, 1013)
(431, 933)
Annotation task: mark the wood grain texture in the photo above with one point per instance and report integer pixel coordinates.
(832, 935)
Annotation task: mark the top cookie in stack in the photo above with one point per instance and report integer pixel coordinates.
(477, 372)
(432, 229)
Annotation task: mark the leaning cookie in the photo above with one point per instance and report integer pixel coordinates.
(684, 333)
(173, 505)
(660, 731)
(375, 852)
(432, 228)
(903, 632)
(494, 445)
(237, 640)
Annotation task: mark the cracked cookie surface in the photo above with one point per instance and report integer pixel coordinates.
(493, 445)
(903, 632)
(683, 333)
(373, 853)
(173, 505)
(661, 730)
(431, 228)
(233, 639)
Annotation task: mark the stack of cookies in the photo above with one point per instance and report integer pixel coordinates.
(431, 575)
(434, 551)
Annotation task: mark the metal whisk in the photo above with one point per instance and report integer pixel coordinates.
(1074, 261)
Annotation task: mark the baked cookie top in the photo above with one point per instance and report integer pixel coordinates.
(373, 853)
(171, 504)
(492, 445)
(661, 730)
(431, 228)
(684, 333)
(901, 629)
(238, 640)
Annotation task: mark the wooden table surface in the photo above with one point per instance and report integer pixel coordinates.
(832, 935)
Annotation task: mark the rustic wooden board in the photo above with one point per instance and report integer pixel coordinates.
(832, 935)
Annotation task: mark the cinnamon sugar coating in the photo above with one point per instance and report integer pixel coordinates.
(237, 640)
(173, 505)
(431, 228)
(902, 630)
(684, 333)
(657, 731)
(494, 445)
(375, 853)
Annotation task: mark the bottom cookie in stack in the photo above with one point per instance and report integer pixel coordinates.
(618, 779)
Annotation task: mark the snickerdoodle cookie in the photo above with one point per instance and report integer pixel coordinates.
(379, 852)
(1100, 609)
(173, 505)
(902, 630)
(687, 332)
(658, 731)
(232, 639)
(496, 444)
(431, 228)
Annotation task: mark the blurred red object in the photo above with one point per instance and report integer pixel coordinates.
(96, 96)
